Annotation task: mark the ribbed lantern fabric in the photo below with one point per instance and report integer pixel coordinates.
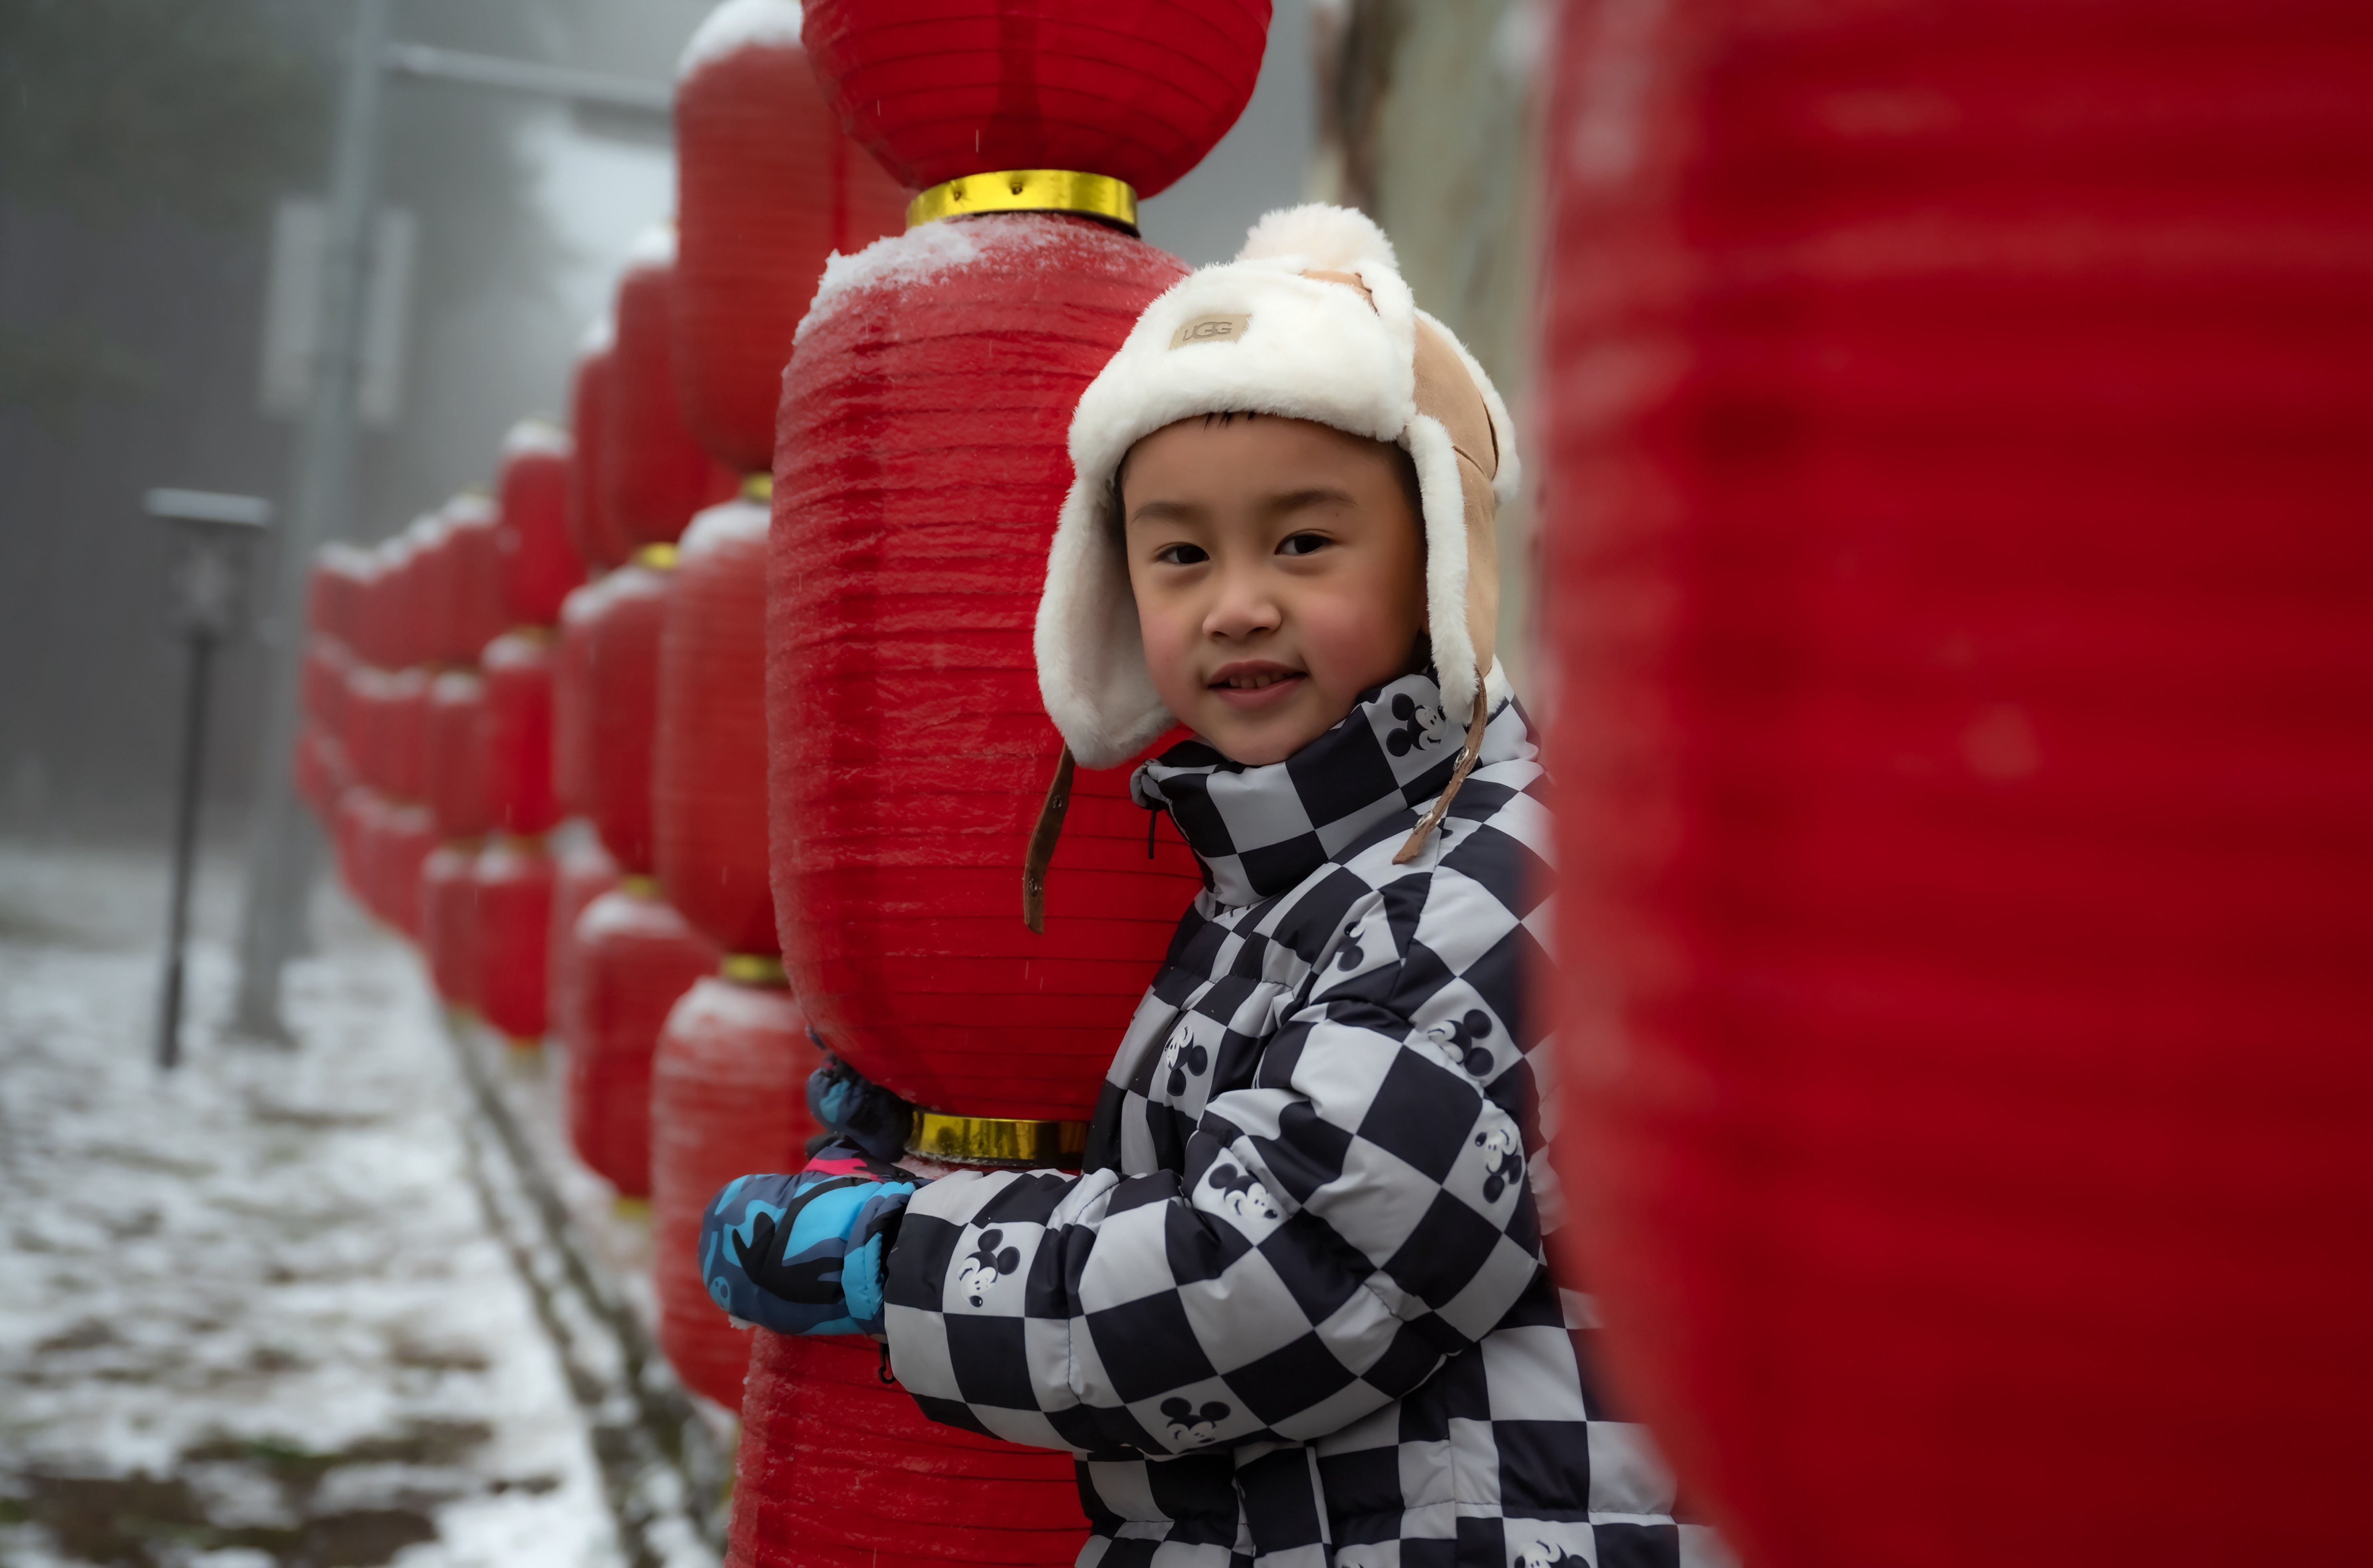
(449, 922)
(940, 89)
(582, 871)
(634, 957)
(1960, 445)
(437, 584)
(406, 715)
(514, 878)
(518, 727)
(410, 837)
(457, 754)
(622, 647)
(920, 468)
(600, 542)
(838, 1470)
(728, 1096)
(655, 475)
(572, 675)
(767, 186)
(540, 564)
(710, 779)
(480, 613)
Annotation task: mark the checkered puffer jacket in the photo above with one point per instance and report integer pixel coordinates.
(1294, 1311)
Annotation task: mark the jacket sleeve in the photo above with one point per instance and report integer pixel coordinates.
(1354, 1216)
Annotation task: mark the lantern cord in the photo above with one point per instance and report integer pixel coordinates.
(1466, 756)
(1041, 845)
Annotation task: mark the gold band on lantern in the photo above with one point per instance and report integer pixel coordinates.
(996, 1141)
(634, 884)
(757, 486)
(1028, 190)
(753, 970)
(658, 558)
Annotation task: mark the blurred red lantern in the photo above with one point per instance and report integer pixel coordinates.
(767, 186)
(910, 752)
(514, 878)
(653, 475)
(322, 773)
(405, 714)
(457, 755)
(939, 90)
(518, 728)
(838, 1470)
(358, 812)
(1959, 451)
(728, 1096)
(621, 711)
(449, 922)
(582, 870)
(600, 542)
(539, 563)
(407, 837)
(709, 781)
(572, 697)
(479, 613)
(327, 665)
(634, 957)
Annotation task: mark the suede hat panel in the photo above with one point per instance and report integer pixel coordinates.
(1312, 320)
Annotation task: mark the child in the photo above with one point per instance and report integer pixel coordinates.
(1295, 1309)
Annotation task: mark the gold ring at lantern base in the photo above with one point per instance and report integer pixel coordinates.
(1028, 190)
(658, 558)
(757, 486)
(635, 885)
(995, 1140)
(754, 969)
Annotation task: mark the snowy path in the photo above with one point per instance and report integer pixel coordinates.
(254, 1314)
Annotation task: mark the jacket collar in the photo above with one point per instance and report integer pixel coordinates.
(1260, 831)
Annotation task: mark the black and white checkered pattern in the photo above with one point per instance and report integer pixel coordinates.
(1295, 1311)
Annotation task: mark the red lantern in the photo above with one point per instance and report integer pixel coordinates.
(572, 718)
(322, 773)
(910, 751)
(767, 186)
(1959, 454)
(514, 877)
(408, 838)
(518, 728)
(405, 714)
(328, 662)
(600, 542)
(728, 1096)
(634, 957)
(582, 871)
(479, 613)
(359, 809)
(838, 1470)
(939, 90)
(457, 754)
(709, 781)
(449, 922)
(539, 564)
(622, 652)
(654, 474)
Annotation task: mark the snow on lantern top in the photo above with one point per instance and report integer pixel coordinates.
(1135, 90)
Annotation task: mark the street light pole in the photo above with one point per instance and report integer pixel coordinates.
(280, 848)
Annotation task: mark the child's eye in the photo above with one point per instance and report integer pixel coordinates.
(1302, 543)
(1182, 554)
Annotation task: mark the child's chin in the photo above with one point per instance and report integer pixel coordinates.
(1271, 738)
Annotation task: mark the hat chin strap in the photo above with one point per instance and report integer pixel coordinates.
(1467, 755)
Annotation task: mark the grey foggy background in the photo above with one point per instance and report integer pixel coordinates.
(143, 144)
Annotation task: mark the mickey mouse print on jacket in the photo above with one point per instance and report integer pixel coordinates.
(1295, 1311)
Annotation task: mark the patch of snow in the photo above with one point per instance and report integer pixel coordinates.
(476, 506)
(724, 524)
(535, 436)
(599, 335)
(897, 261)
(740, 24)
(654, 247)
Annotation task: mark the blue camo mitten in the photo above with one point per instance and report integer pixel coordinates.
(859, 1110)
(806, 1253)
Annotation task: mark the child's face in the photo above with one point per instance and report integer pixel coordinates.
(1280, 571)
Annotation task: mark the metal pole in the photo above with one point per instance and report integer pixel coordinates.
(280, 849)
(185, 846)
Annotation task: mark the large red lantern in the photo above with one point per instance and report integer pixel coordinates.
(572, 697)
(600, 542)
(449, 922)
(728, 1096)
(710, 778)
(457, 754)
(514, 878)
(408, 836)
(655, 474)
(539, 563)
(622, 659)
(581, 871)
(474, 539)
(767, 186)
(518, 731)
(1959, 449)
(634, 957)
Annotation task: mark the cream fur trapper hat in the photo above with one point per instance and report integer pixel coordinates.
(1311, 321)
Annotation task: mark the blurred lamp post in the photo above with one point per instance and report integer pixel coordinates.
(214, 534)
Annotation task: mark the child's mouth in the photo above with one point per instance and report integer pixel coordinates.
(1256, 685)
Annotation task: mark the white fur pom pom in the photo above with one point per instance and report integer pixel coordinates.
(1332, 239)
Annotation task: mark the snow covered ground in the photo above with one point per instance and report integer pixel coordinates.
(254, 1313)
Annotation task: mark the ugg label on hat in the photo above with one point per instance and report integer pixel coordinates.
(1210, 329)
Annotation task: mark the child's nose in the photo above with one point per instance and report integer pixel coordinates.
(1244, 607)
